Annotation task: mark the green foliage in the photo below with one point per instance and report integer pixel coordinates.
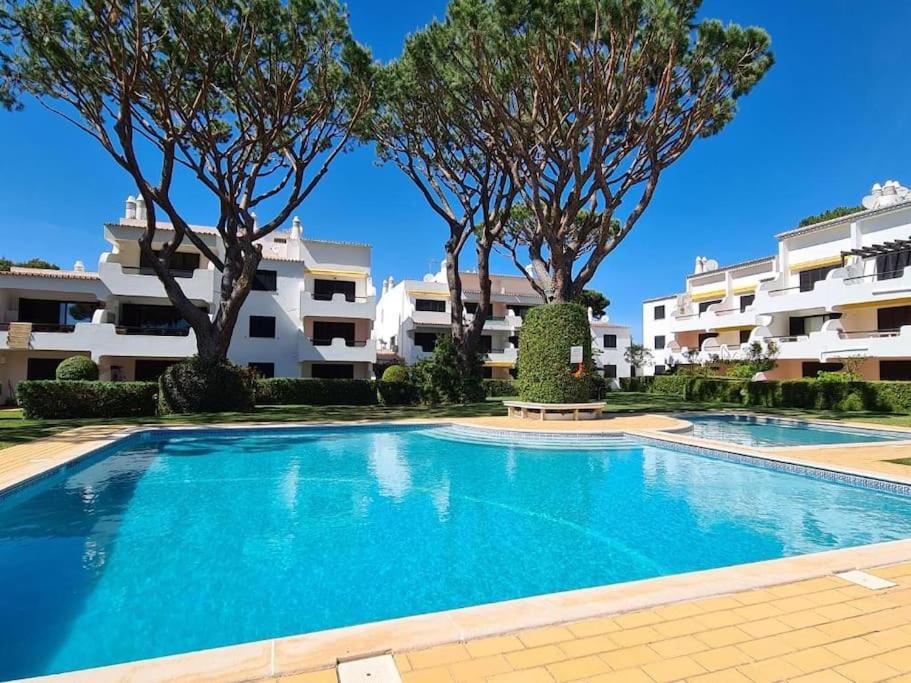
(671, 385)
(641, 384)
(447, 377)
(716, 390)
(51, 400)
(396, 393)
(837, 212)
(637, 355)
(758, 359)
(396, 373)
(77, 368)
(6, 264)
(500, 387)
(315, 392)
(196, 385)
(589, 298)
(545, 373)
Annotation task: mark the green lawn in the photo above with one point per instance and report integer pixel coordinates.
(15, 430)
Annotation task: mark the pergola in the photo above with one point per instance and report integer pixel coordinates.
(878, 249)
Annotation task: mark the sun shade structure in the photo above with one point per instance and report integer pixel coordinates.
(891, 257)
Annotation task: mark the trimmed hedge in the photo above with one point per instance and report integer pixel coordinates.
(197, 386)
(315, 392)
(53, 399)
(77, 368)
(500, 387)
(396, 393)
(545, 373)
(808, 394)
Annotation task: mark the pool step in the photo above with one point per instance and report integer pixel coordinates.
(379, 669)
(503, 437)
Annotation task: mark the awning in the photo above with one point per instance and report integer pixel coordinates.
(705, 296)
(816, 263)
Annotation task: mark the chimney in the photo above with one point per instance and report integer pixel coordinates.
(140, 208)
(297, 230)
(700, 264)
(79, 267)
(130, 212)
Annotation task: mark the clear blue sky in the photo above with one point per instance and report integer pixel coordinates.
(831, 118)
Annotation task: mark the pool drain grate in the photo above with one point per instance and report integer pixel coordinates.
(379, 669)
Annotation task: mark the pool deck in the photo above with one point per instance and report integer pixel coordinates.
(787, 619)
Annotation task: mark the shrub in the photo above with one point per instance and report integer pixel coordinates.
(315, 392)
(671, 385)
(396, 373)
(396, 393)
(77, 368)
(444, 378)
(198, 386)
(50, 399)
(545, 373)
(638, 384)
(716, 390)
(500, 387)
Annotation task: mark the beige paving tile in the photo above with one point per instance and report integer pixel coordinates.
(630, 657)
(493, 646)
(722, 658)
(719, 637)
(576, 669)
(438, 656)
(769, 671)
(623, 676)
(588, 646)
(538, 656)
(545, 636)
(676, 647)
(867, 671)
(674, 669)
(538, 675)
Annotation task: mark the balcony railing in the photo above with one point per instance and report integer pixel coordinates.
(886, 275)
(322, 341)
(143, 270)
(152, 331)
(42, 327)
(867, 334)
(344, 299)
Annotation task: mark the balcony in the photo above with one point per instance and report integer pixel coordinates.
(833, 342)
(431, 317)
(105, 339)
(337, 306)
(502, 357)
(336, 350)
(197, 285)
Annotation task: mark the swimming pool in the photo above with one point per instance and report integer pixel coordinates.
(177, 542)
(768, 432)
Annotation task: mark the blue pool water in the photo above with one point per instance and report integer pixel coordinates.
(765, 432)
(171, 545)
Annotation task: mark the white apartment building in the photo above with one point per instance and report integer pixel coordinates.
(411, 315)
(835, 290)
(310, 313)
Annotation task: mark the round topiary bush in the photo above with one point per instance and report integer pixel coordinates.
(77, 368)
(197, 386)
(396, 373)
(545, 373)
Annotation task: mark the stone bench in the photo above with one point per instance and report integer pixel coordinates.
(554, 411)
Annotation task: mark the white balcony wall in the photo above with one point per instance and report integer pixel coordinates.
(337, 351)
(337, 307)
(102, 340)
(122, 282)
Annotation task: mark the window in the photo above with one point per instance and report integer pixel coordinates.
(745, 336)
(704, 305)
(514, 373)
(486, 343)
(471, 307)
(183, 263)
(659, 341)
(746, 300)
(426, 340)
(659, 312)
(265, 281)
(706, 335)
(325, 290)
(514, 340)
(42, 368)
(892, 265)
(331, 371)
(150, 370)
(659, 369)
(610, 341)
(895, 370)
(53, 315)
(486, 372)
(809, 278)
(610, 371)
(521, 311)
(262, 326)
(325, 332)
(151, 319)
(812, 368)
(262, 370)
(433, 305)
(893, 318)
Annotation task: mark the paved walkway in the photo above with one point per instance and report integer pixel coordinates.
(823, 629)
